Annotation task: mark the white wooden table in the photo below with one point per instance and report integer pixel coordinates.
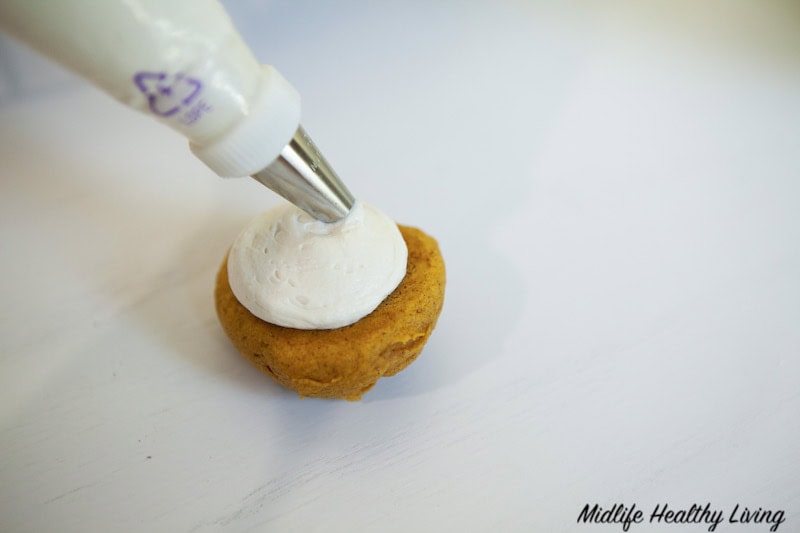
(616, 191)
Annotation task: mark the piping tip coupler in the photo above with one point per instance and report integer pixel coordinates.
(269, 144)
(302, 175)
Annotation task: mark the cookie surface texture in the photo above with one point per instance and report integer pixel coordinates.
(344, 362)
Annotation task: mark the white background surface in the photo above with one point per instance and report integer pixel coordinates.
(615, 191)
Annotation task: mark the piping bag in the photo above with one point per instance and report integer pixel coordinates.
(184, 63)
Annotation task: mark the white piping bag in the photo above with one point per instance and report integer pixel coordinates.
(184, 63)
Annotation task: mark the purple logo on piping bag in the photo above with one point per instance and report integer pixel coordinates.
(168, 94)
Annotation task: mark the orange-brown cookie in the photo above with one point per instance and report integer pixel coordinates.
(344, 362)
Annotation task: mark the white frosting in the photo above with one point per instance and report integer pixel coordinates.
(292, 270)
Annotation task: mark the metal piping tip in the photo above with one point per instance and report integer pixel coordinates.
(302, 176)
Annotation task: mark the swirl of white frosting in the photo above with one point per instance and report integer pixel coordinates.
(294, 271)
